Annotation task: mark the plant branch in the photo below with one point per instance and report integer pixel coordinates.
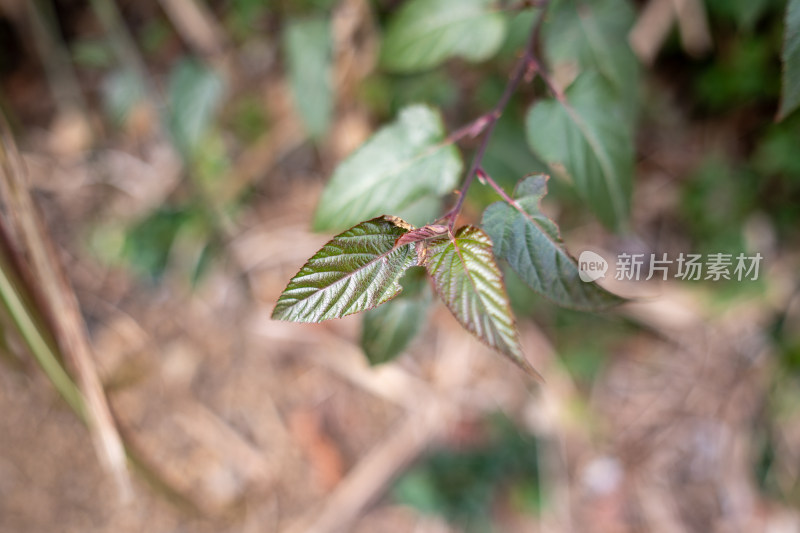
(527, 66)
(60, 309)
(483, 177)
(557, 93)
(471, 130)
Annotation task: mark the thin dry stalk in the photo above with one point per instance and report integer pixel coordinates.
(123, 43)
(196, 24)
(55, 58)
(58, 305)
(652, 28)
(693, 26)
(374, 473)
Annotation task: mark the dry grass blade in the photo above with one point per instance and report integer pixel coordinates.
(652, 29)
(693, 26)
(53, 295)
(656, 20)
(197, 25)
(15, 303)
(63, 81)
(375, 472)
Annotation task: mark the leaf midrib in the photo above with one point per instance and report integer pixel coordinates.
(558, 244)
(605, 165)
(596, 41)
(475, 289)
(518, 207)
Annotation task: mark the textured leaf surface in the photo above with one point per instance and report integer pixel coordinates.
(307, 44)
(389, 329)
(531, 244)
(357, 270)
(402, 165)
(589, 141)
(591, 35)
(469, 282)
(424, 33)
(790, 98)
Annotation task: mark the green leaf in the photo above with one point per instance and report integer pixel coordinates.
(389, 329)
(531, 244)
(507, 156)
(400, 167)
(519, 29)
(588, 139)
(591, 35)
(357, 270)
(425, 33)
(195, 92)
(469, 282)
(790, 98)
(149, 243)
(307, 44)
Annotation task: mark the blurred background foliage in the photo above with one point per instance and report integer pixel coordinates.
(135, 73)
(463, 483)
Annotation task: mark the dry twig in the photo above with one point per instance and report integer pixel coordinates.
(56, 300)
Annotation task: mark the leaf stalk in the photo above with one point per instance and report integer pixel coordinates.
(525, 70)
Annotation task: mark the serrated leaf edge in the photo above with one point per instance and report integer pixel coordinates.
(278, 314)
(516, 356)
(557, 242)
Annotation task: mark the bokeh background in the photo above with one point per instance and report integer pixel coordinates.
(177, 155)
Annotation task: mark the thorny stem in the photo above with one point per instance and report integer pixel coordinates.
(526, 68)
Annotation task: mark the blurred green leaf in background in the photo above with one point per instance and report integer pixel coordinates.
(402, 165)
(588, 140)
(462, 485)
(194, 95)
(389, 329)
(425, 33)
(308, 48)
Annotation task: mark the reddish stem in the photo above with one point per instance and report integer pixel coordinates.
(484, 177)
(525, 69)
(472, 130)
(557, 93)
